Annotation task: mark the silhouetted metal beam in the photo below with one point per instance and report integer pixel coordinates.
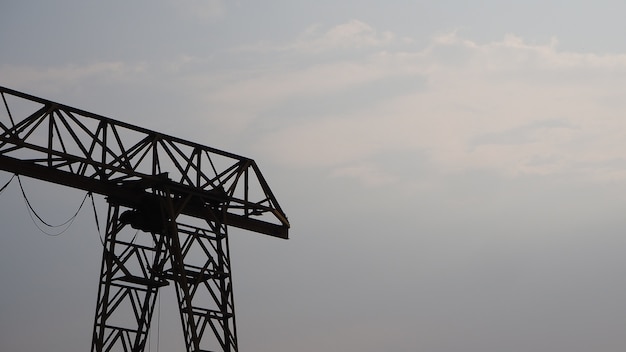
(79, 149)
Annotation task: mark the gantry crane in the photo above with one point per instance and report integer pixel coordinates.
(170, 203)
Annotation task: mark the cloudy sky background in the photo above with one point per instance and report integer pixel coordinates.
(454, 173)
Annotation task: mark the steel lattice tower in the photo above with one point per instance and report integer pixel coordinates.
(170, 203)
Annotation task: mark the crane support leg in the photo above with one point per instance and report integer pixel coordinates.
(201, 272)
(159, 247)
(130, 276)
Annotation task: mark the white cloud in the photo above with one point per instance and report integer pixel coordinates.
(366, 173)
(467, 105)
(473, 89)
(50, 79)
(275, 87)
(353, 34)
(69, 72)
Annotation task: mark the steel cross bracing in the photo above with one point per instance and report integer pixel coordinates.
(133, 269)
(179, 197)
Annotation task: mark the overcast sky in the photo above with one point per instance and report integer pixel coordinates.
(454, 172)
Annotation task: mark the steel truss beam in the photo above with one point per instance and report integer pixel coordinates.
(79, 149)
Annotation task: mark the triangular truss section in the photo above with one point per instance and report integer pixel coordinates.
(98, 153)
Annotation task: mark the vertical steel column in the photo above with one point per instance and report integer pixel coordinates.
(201, 271)
(130, 276)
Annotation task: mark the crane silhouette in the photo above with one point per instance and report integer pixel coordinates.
(170, 204)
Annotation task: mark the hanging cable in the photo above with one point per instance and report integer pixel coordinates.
(5, 186)
(95, 214)
(33, 214)
(158, 323)
(151, 318)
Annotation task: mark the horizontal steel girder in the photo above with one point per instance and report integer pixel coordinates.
(75, 148)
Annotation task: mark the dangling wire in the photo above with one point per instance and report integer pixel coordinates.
(158, 323)
(33, 214)
(5, 186)
(95, 214)
(158, 311)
